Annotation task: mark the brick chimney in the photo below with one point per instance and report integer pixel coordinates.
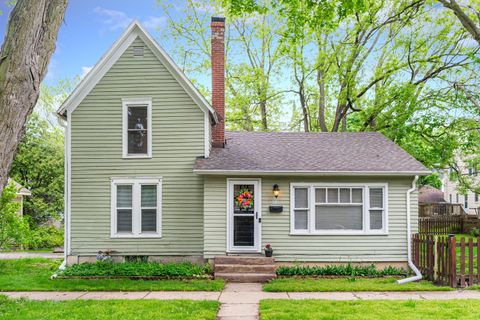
(218, 80)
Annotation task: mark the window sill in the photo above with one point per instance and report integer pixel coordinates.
(336, 233)
(137, 157)
(136, 236)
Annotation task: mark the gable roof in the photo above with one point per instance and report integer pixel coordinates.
(133, 31)
(21, 190)
(337, 153)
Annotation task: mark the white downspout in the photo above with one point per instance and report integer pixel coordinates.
(64, 124)
(418, 274)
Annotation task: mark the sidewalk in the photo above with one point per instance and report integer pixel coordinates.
(240, 300)
(22, 255)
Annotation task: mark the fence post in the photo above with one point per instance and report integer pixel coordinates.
(452, 246)
(435, 254)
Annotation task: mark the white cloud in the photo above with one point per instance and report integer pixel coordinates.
(114, 19)
(154, 23)
(85, 70)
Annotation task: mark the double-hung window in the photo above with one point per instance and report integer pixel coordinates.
(338, 209)
(137, 128)
(136, 207)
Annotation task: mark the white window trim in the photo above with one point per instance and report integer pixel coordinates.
(126, 102)
(136, 210)
(311, 213)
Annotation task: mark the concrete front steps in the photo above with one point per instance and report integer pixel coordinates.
(244, 269)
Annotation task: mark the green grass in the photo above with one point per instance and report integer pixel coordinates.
(347, 284)
(368, 310)
(19, 309)
(34, 275)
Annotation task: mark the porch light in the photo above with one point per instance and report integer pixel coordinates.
(276, 190)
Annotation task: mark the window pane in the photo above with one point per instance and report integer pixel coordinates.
(376, 219)
(301, 198)
(244, 199)
(243, 231)
(149, 220)
(124, 220)
(137, 118)
(137, 142)
(357, 195)
(338, 217)
(376, 198)
(124, 196)
(344, 195)
(149, 195)
(320, 195)
(301, 219)
(332, 195)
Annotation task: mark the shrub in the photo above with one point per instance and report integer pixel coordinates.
(13, 226)
(44, 237)
(138, 269)
(475, 232)
(339, 270)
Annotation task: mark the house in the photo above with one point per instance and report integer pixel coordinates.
(152, 171)
(21, 193)
(469, 199)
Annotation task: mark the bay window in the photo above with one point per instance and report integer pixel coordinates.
(136, 207)
(338, 209)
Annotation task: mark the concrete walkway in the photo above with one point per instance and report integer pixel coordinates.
(241, 300)
(23, 255)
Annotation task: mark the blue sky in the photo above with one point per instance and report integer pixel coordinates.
(89, 29)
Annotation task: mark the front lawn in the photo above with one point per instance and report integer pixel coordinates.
(34, 275)
(366, 310)
(347, 284)
(19, 309)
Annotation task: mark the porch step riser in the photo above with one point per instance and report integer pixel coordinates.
(238, 268)
(245, 277)
(244, 260)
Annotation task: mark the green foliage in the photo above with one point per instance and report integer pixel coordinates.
(139, 269)
(339, 270)
(475, 232)
(39, 162)
(13, 227)
(44, 237)
(431, 180)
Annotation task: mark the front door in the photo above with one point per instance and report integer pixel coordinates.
(244, 216)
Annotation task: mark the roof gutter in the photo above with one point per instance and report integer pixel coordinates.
(309, 173)
(418, 274)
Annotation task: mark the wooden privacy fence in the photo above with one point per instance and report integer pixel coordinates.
(440, 224)
(445, 261)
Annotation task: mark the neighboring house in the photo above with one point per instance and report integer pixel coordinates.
(430, 195)
(151, 171)
(21, 193)
(469, 200)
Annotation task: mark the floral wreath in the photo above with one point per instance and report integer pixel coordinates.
(244, 198)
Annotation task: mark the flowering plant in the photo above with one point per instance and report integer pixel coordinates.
(244, 199)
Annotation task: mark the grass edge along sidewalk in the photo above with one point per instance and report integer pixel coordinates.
(33, 274)
(19, 309)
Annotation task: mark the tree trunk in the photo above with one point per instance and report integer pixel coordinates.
(469, 24)
(29, 43)
(321, 100)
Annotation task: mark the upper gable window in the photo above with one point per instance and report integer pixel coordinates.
(137, 128)
(138, 51)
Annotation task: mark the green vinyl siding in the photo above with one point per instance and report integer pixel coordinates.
(276, 226)
(96, 156)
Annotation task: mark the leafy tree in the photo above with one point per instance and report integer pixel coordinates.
(13, 227)
(468, 15)
(253, 59)
(29, 43)
(39, 163)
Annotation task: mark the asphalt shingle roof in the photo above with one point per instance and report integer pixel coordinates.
(328, 152)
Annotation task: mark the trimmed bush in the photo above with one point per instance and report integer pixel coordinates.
(339, 270)
(138, 269)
